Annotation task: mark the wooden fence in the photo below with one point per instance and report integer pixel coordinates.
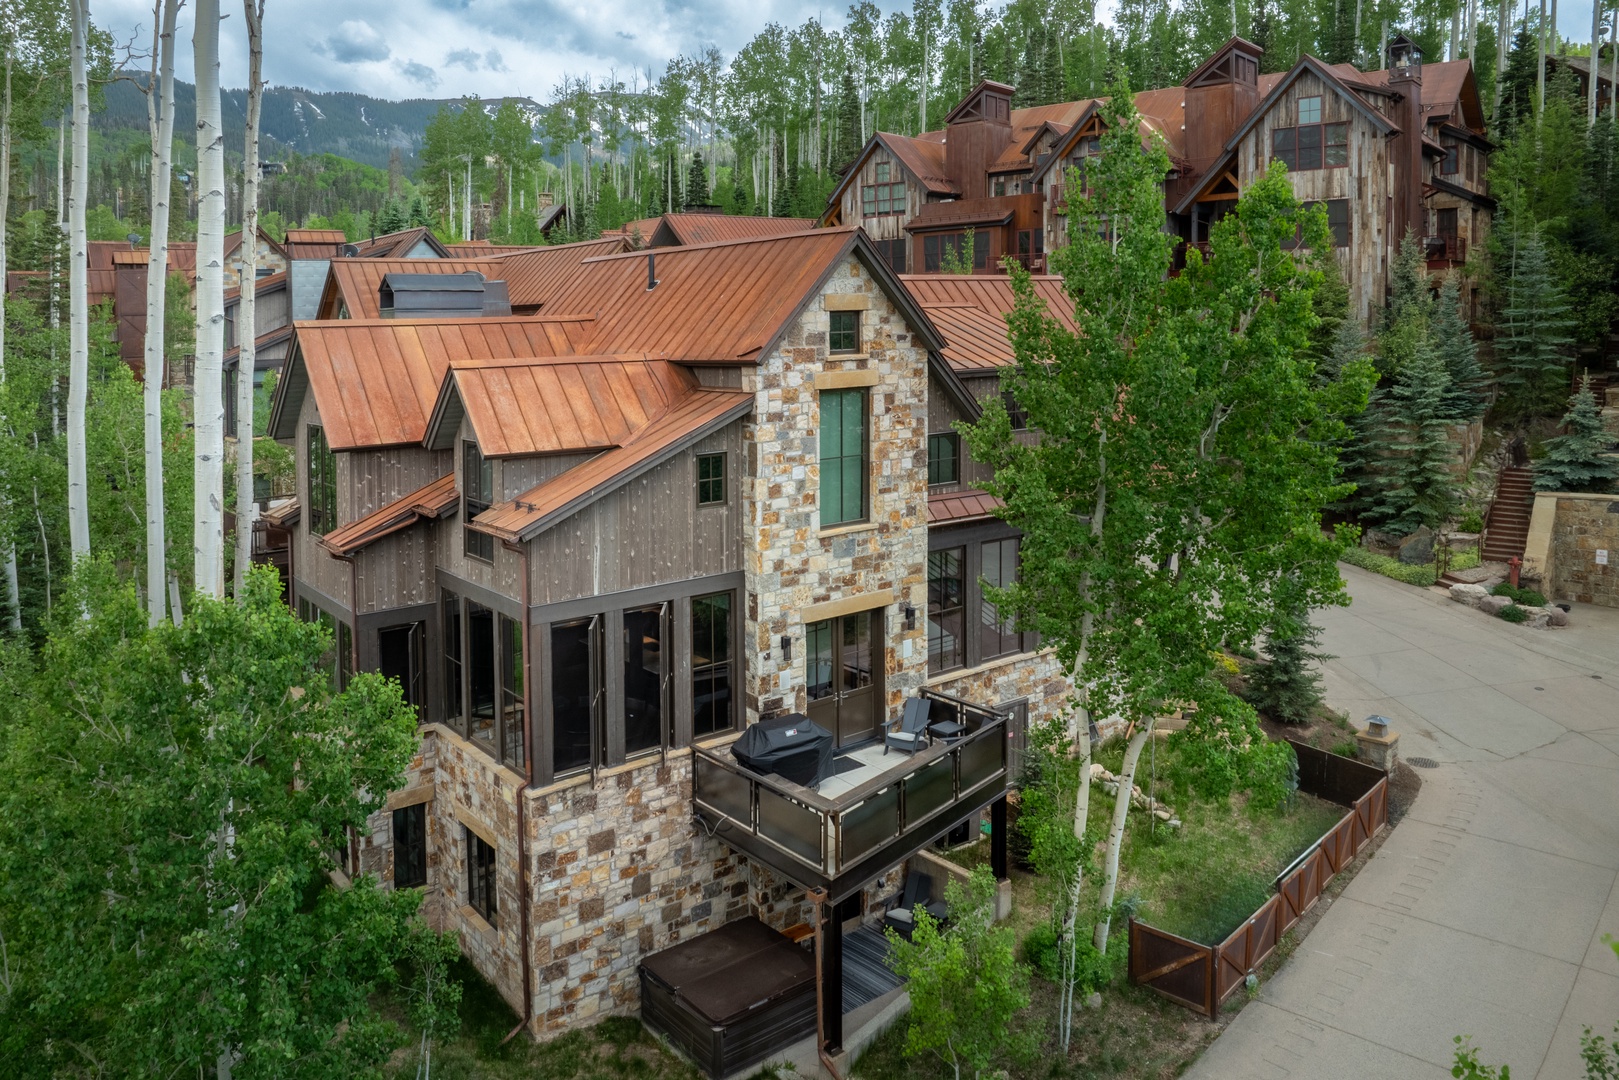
(1203, 977)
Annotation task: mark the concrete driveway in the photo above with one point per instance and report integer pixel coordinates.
(1483, 913)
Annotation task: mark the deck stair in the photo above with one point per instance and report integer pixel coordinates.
(1506, 531)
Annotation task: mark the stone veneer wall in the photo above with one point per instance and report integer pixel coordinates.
(1036, 678)
(790, 565)
(1583, 525)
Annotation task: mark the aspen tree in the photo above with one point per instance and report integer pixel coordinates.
(246, 328)
(208, 393)
(160, 122)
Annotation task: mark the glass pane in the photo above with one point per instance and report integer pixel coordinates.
(857, 651)
(724, 790)
(944, 609)
(452, 660)
(710, 663)
(818, 659)
(929, 789)
(643, 679)
(869, 825)
(572, 695)
(791, 825)
(511, 692)
(481, 670)
(982, 758)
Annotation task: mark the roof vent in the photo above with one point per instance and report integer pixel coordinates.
(351, 251)
(651, 270)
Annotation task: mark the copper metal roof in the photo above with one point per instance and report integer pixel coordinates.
(376, 380)
(397, 245)
(695, 228)
(533, 277)
(478, 249)
(689, 418)
(961, 213)
(427, 503)
(555, 405)
(314, 243)
(947, 508)
(356, 281)
(970, 311)
(714, 303)
(924, 158)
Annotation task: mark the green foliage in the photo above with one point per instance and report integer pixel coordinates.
(1393, 568)
(1287, 688)
(1534, 334)
(1044, 948)
(1222, 750)
(1416, 485)
(430, 988)
(964, 980)
(1527, 597)
(957, 258)
(696, 182)
(1512, 613)
(1467, 383)
(200, 777)
(1581, 460)
(1466, 1065)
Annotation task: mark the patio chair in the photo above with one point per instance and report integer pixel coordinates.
(910, 732)
(918, 893)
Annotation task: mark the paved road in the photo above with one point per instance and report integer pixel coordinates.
(1483, 913)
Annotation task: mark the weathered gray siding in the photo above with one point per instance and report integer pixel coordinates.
(311, 564)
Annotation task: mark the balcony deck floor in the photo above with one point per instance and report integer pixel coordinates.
(867, 761)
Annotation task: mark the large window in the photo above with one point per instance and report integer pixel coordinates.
(410, 846)
(511, 692)
(575, 689)
(481, 877)
(843, 456)
(338, 659)
(644, 640)
(477, 492)
(945, 610)
(944, 458)
(450, 607)
(996, 635)
(938, 247)
(322, 494)
(845, 335)
(1312, 146)
(1451, 164)
(886, 196)
(483, 676)
(892, 253)
(711, 681)
(710, 479)
(481, 671)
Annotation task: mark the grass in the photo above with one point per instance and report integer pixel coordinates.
(1422, 574)
(617, 1048)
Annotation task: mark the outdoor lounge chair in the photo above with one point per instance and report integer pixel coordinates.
(910, 732)
(918, 892)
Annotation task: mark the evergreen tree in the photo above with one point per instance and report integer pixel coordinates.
(392, 217)
(1518, 83)
(419, 217)
(1287, 688)
(782, 204)
(1408, 284)
(850, 138)
(1533, 334)
(1452, 339)
(696, 182)
(1331, 307)
(1418, 486)
(1580, 460)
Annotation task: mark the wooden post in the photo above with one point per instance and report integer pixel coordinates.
(997, 838)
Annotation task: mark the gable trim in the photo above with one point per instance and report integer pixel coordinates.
(1317, 68)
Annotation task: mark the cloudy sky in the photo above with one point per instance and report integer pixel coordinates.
(445, 48)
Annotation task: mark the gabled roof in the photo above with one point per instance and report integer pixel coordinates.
(533, 277)
(1232, 44)
(233, 243)
(970, 311)
(724, 303)
(519, 407)
(921, 157)
(643, 226)
(1162, 112)
(375, 381)
(314, 243)
(269, 283)
(398, 245)
(270, 337)
(961, 213)
(356, 282)
(984, 86)
(689, 418)
(697, 228)
(481, 249)
(1333, 82)
(427, 503)
(1211, 177)
(1448, 86)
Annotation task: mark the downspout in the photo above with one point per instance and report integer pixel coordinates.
(521, 551)
(818, 898)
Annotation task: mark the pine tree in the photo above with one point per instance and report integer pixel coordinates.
(1408, 284)
(696, 182)
(1534, 333)
(1287, 688)
(419, 217)
(1452, 339)
(1580, 460)
(1419, 488)
(850, 137)
(392, 217)
(1331, 306)
(1518, 83)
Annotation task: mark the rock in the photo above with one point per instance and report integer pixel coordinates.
(1468, 594)
(1417, 548)
(1097, 772)
(1173, 823)
(1556, 617)
(1537, 622)
(1492, 605)
(1093, 1000)
(1162, 815)
(1380, 542)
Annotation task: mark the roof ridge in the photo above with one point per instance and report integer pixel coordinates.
(737, 242)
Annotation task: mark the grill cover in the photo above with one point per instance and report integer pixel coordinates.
(791, 746)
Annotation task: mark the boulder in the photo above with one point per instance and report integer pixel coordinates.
(1380, 542)
(1417, 549)
(1492, 605)
(1556, 617)
(1468, 594)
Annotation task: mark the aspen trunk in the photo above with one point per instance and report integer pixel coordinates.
(208, 393)
(78, 491)
(1540, 61)
(13, 599)
(1596, 64)
(160, 121)
(1115, 839)
(246, 327)
(1500, 53)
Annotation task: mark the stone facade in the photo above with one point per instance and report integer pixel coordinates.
(1583, 526)
(792, 563)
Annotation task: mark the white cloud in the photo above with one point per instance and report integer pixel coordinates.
(354, 41)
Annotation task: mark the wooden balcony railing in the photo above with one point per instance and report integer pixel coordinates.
(1445, 248)
(831, 843)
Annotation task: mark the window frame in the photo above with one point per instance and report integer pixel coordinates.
(1015, 412)
(1316, 102)
(939, 609)
(482, 879)
(1288, 146)
(1005, 628)
(706, 484)
(934, 246)
(410, 837)
(940, 440)
(318, 452)
(858, 464)
(715, 667)
(1450, 164)
(845, 338)
(475, 544)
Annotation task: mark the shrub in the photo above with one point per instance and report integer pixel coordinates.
(1526, 597)
(1512, 613)
(1393, 568)
(1287, 688)
(1042, 950)
(1471, 521)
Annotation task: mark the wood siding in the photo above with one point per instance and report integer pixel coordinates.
(311, 563)
(1365, 182)
(883, 226)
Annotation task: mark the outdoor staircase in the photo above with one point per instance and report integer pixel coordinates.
(1507, 529)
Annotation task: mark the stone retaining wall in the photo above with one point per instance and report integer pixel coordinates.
(1566, 533)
